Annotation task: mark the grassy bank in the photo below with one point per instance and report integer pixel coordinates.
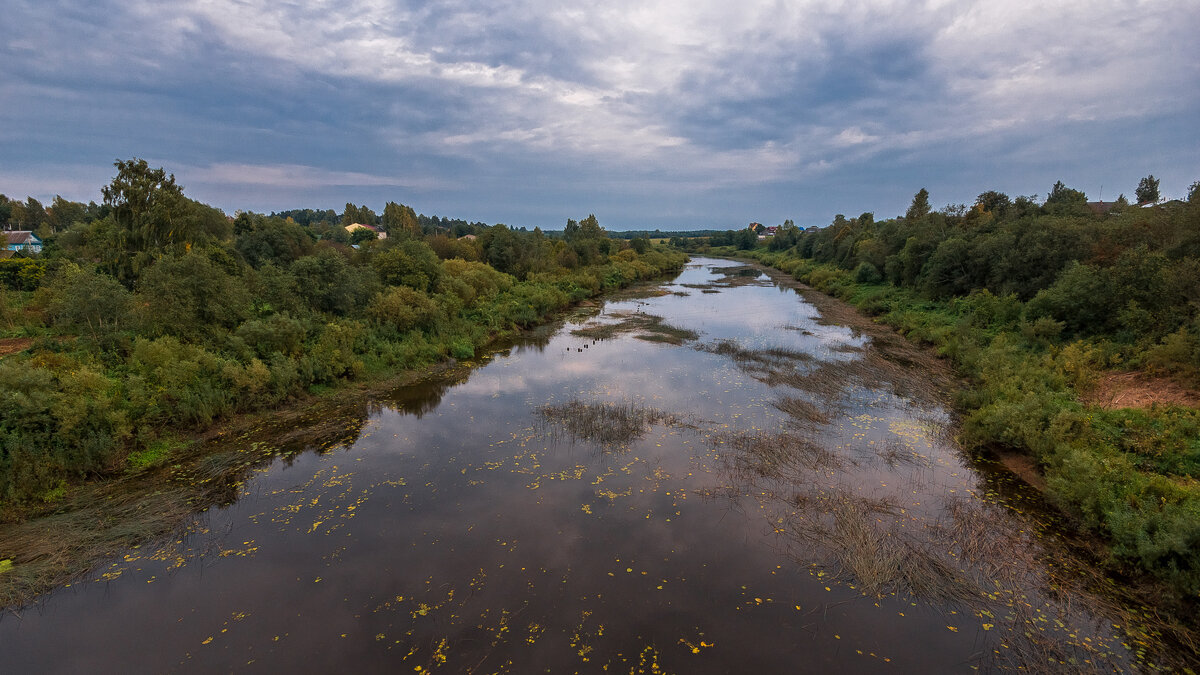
(152, 317)
(51, 540)
(1125, 474)
(73, 411)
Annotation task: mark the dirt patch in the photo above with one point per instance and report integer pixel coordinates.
(1023, 467)
(1139, 390)
(14, 345)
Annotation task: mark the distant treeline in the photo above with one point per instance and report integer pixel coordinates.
(1038, 304)
(152, 315)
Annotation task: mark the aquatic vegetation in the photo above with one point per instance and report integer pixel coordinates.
(644, 327)
(609, 424)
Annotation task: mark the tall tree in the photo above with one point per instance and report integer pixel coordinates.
(919, 207)
(1064, 199)
(400, 219)
(150, 216)
(1147, 190)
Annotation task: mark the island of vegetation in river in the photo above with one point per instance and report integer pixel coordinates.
(151, 316)
(1053, 311)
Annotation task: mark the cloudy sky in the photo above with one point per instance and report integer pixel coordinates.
(681, 114)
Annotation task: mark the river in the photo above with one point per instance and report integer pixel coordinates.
(706, 477)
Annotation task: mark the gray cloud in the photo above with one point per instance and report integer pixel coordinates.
(726, 110)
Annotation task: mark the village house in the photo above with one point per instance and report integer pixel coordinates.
(22, 240)
(353, 227)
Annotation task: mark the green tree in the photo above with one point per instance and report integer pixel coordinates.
(191, 296)
(919, 208)
(996, 203)
(410, 263)
(86, 301)
(363, 234)
(62, 214)
(261, 240)
(149, 217)
(399, 219)
(1147, 190)
(1063, 199)
(330, 284)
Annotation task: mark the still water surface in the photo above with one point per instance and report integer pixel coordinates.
(777, 507)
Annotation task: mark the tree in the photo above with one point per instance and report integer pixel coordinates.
(62, 214)
(1147, 190)
(363, 234)
(358, 214)
(1194, 193)
(571, 231)
(994, 202)
(411, 263)
(400, 219)
(84, 300)
(150, 217)
(1063, 199)
(144, 203)
(919, 207)
(589, 228)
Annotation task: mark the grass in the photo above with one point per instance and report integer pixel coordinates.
(155, 454)
(609, 424)
(801, 411)
(778, 456)
(646, 327)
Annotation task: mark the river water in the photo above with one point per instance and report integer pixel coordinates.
(708, 478)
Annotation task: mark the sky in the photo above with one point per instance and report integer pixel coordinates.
(678, 115)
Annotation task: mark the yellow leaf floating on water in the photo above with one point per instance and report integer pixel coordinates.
(952, 629)
(207, 641)
(988, 626)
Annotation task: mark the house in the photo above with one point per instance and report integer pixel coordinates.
(772, 230)
(22, 240)
(353, 227)
(468, 237)
(1101, 208)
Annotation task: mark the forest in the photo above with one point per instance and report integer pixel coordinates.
(152, 316)
(1039, 305)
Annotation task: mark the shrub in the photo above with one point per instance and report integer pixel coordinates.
(866, 273)
(403, 309)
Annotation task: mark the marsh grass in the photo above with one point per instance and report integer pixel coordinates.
(779, 366)
(644, 326)
(99, 521)
(96, 521)
(609, 424)
(784, 455)
(895, 452)
(802, 412)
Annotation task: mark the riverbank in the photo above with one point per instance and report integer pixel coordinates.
(50, 543)
(1020, 405)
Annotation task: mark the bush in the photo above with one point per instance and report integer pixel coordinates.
(866, 273)
(277, 334)
(403, 309)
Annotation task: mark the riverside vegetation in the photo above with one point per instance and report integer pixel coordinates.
(1035, 303)
(152, 316)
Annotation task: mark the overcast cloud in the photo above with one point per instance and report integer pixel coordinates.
(672, 114)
